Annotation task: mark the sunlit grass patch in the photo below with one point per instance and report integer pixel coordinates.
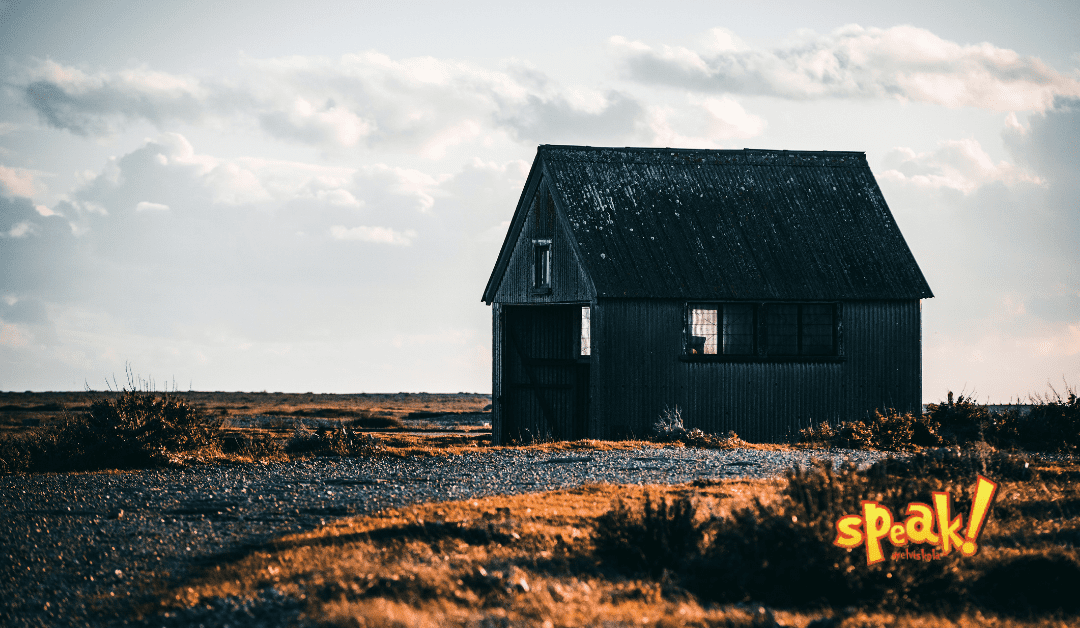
(525, 558)
(737, 553)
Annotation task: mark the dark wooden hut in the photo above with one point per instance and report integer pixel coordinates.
(757, 290)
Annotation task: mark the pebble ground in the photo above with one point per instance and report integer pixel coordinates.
(80, 549)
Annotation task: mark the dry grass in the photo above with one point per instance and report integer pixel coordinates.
(547, 558)
(402, 424)
(526, 559)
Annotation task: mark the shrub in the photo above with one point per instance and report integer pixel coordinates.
(336, 442)
(891, 431)
(959, 422)
(657, 539)
(127, 429)
(783, 554)
(256, 447)
(669, 427)
(1052, 424)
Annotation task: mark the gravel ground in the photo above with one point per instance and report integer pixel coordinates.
(84, 548)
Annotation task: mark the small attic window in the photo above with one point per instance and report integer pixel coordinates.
(542, 265)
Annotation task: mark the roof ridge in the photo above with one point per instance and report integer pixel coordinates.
(658, 149)
(745, 156)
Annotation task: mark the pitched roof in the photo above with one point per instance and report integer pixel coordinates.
(725, 224)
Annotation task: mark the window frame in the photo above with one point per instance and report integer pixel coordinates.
(760, 342)
(544, 273)
(585, 333)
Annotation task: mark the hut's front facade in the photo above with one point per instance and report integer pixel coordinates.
(756, 290)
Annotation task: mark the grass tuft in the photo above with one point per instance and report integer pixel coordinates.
(127, 429)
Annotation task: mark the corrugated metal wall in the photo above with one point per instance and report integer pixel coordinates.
(883, 343)
(541, 384)
(637, 372)
(496, 373)
(569, 284)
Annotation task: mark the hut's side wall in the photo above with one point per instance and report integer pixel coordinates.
(569, 283)
(496, 374)
(637, 372)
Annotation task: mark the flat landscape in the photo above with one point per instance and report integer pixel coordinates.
(425, 523)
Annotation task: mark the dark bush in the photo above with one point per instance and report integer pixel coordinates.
(127, 429)
(254, 446)
(1053, 424)
(1029, 583)
(891, 431)
(661, 537)
(959, 422)
(335, 442)
(783, 554)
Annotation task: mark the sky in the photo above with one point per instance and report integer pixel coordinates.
(311, 196)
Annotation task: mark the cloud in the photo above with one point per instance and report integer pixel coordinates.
(996, 240)
(373, 234)
(961, 165)
(21, 230)
(94, 103)
(705, 123)
(364, 100)
(1048, 142)
(903, 62)
(281, 257)
(147, 206)
(20, 181)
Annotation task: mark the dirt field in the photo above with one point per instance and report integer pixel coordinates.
(417, 411)
(393, 537)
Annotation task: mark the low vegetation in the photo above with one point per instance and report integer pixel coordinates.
(1051, 424)
(128, 429)
(669, 428)
(731, 553)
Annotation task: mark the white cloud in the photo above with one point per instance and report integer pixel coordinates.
(961, 165)
(89, 103)
(425, 105)
(12, 336)
(21, 230)
(382, 235)
(706, 123)
(20, 181)
(903, 62)
(147, 206)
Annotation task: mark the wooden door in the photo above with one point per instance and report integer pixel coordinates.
(545, 382)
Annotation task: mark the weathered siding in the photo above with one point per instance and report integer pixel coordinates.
(543, 383)
(497, 419)
(569, 283)
(637, 372)
(883, 343)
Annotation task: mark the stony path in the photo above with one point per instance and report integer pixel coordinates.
(82, 548)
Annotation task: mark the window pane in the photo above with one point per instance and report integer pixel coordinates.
(817, 329)
(542, 266)
(702, 331)
(782, 328)
(738, 328)
(586, 331)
